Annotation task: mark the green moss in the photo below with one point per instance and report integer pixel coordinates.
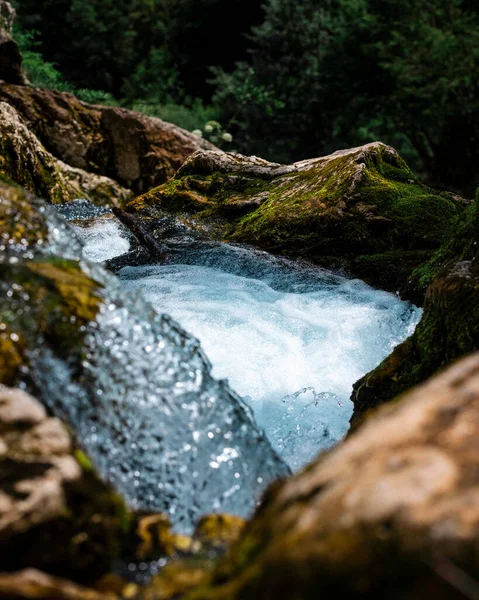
(47, 301)
(20, 220)
(448, 330)
(335, 211)
(460, 244)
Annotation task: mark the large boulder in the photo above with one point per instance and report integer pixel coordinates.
(359, 209)
(137, 151)
(55, 514)
(24, 160)
(449, 327)
(393, 512)
(10, 57)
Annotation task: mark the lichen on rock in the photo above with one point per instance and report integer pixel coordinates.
(359, 209)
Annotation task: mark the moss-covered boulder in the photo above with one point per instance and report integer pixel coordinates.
(55, 514)
(25, 161)
(393, 512)
(360, 209)
(449, 327)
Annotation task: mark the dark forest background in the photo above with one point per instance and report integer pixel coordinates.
(289, 79)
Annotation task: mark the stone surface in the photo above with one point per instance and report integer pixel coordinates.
(7, 16)
(55, 514)
(393, 512)
(137, 151)
(25, 161)
(10, 57)
(449, 327)
(359, 209)
(31, 583)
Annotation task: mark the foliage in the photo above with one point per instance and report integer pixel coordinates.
(39, 72)
(290, 78)
(214, 133)
(189, 117)
(345, 72)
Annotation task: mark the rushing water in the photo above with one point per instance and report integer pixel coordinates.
(137, 390)
(290, 338)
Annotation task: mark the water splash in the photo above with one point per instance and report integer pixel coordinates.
(143, 402)
(273, 327)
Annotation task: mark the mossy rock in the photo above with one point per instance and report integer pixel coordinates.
(356, 209)
(449, 327)
(386, 514)
(46, 301)
(460, 245)
(21, 221)
(448, 330)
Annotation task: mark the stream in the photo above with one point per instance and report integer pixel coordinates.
(290, 338)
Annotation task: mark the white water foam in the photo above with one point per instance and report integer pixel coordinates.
(103, 240)
(293, 356)
(291, 339)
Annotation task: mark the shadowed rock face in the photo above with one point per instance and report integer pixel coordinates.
(137, 151)
(449, 328)
(54, 513)
(24, 160)
(10, 57)
(393, 512)
(360, 209)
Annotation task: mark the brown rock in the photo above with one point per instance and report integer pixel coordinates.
(31, 583)
(393, 512)
(55, 514)
(25, 161)
(137, 151)
(10, 57)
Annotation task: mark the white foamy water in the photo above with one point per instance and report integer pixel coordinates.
(293, 356)
(290, 339)
(103, 240)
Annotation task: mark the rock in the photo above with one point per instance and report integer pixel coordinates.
(393, 512)
(55, 514)
(10, 56)
(449, 327)
(31, 583)
(359, 209)
(25, 161)
(218, 531)
(137, 151)
(7, 16)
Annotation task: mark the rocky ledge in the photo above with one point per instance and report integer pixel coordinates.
(136, 151)
(360, 209)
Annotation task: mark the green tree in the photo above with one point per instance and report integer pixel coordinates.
(322, 76)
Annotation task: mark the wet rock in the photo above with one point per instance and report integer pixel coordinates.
(25, 161)
(393, 512)
(31, 583)
(55, 514)
(137, 151)
(449, 327)
(359, 209)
